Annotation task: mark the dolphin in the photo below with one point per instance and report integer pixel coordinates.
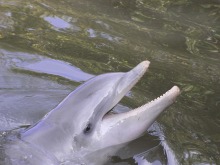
(81, 124)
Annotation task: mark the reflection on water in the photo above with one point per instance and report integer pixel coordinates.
(180, 38)
(57, 22)
(94, 34)
(50, 67)
(60, 24)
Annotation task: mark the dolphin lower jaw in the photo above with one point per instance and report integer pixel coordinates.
(125, 127)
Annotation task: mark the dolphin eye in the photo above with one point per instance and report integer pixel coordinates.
(88, 128)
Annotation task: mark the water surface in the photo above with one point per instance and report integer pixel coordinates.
(181, 39)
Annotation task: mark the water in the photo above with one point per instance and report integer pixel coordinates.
(180, 38)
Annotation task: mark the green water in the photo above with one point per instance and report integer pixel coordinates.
(181, 39)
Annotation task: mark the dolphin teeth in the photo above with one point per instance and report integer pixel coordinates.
(175, 90)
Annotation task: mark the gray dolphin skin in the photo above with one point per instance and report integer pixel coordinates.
(81, 125)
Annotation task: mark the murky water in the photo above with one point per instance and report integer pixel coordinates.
(181, 39)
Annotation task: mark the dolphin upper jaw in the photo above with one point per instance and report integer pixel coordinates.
(132, 77)
(80, 121)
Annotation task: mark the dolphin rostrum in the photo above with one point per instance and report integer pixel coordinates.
(81, 125)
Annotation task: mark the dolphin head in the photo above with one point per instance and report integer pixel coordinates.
(82, 122)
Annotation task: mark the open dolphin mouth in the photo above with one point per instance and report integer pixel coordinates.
(129, 125)
(133, 77)
(169, 96)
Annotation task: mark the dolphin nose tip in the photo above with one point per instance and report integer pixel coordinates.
(140, 69)
(145, 63)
